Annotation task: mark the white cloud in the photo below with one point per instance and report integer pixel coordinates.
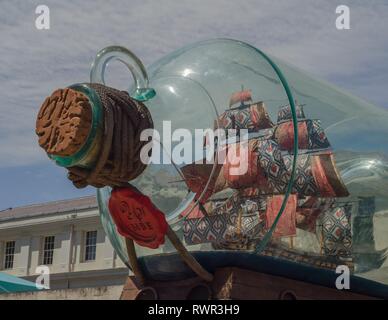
(33, 62)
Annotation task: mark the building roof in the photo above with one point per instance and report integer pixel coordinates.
(60, 206)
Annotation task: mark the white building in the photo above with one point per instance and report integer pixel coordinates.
(68, 237)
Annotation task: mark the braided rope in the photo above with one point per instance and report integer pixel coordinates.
(119, 157)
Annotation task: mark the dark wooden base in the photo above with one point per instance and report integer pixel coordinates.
(234, 283)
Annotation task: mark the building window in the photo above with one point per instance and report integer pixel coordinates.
(90, 245)
(48, 250)
(9, 254)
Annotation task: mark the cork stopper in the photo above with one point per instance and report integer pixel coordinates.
(64, 122)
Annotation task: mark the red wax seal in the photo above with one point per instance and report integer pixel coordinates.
(137, 218)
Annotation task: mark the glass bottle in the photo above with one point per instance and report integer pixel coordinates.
(333, 164)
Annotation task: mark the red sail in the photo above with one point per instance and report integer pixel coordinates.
(286, 226)
(311, 136)
(242, 169)
(327, 177)
(197, 175)
(253, 117)
(192, 211)
(241, 96)
(284, 135)
(316, 173)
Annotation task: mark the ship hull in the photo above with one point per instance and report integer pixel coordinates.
(240, 275)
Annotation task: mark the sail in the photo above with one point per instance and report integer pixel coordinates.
(316, 175)
(241, 155)
(197, 175)
(236, 220)
(242, 219)
(252, 117)
(309, 210)
(327, 177)
(336, 237)
(269, 171)
(240, 96)
(285, 114)
(194, 210)
(311, 136)
(286, 226)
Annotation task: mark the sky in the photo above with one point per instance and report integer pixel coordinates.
(35, 62)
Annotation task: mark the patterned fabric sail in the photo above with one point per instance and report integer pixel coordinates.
(234, 220)
(311, 136)
(196, 176)
(317, 175)
(285, 114)
(269, 170)
(252, 117)
(336, 232)
(233, 169)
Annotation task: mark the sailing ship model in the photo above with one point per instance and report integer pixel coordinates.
(235, 212)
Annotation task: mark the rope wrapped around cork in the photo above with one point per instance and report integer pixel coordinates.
(65, 119)
(63, 125)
